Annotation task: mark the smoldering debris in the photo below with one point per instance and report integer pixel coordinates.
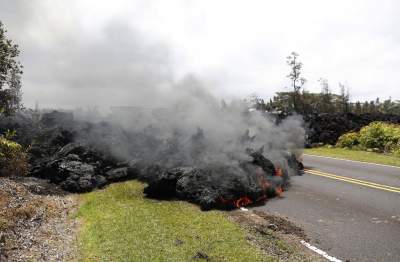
(220, 186)
(172, 132)
(215, 156)
(58, 155)
(80, 156)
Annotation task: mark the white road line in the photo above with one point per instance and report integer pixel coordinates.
(320, 252)
(369, 163)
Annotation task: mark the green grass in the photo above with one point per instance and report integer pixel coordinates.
(358, 155)
(119, 224)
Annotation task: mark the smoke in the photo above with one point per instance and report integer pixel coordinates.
(155, 115)
(188, 126)
(158, 117)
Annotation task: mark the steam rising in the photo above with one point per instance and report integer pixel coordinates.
(169, 121)
(165, 118)
(193, 128)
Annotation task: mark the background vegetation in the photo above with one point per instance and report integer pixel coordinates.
(377, 136)
(10, 75)
(12, 155)
(378, 142)
(327, 102)
(301, 101)
(13, 159)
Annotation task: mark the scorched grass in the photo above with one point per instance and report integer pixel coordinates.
(119, 224)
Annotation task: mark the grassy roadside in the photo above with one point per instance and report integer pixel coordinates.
(119, 224)
(358, 155)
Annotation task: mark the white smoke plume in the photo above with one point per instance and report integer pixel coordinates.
(191, 127)
(117, 65)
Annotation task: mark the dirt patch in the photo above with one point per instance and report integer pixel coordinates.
(282, 225)
(274, 235)
(35, 227)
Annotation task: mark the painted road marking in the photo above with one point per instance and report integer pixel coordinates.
(356, 161)
(354, 181)
(320, 252)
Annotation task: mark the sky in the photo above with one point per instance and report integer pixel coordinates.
(88, 52)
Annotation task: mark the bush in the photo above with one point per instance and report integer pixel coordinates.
(384, 136)
(380, 136)
(373, 136)
(348, 140)
(13, 160)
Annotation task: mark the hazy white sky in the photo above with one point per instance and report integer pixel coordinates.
(71, 48)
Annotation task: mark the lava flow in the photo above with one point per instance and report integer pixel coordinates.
(243, 201)
(263, 184)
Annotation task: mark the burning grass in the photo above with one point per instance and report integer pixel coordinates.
(358, 155)
(120, 224)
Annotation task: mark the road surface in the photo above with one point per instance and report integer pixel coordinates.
(349, 209)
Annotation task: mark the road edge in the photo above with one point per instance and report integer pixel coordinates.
(357, 161)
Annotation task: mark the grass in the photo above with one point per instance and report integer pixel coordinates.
(119, 224)
(358, 155)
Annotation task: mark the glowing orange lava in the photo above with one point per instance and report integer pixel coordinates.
(243, 201)
(265, 186)
(278, 171)
(278, 191)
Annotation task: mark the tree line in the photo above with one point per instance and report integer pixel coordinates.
(325, 102)
(302, 101)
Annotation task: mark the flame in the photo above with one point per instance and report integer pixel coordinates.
(278, 171)
(263, 183)
(278, 191)
(240, 202)
(243, 201)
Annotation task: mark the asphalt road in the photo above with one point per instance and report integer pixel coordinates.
(349, 209)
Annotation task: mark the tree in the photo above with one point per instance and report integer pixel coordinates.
(295, 77)
(326, 96)
(386, 106)
(344, 98)
(10, 75)
(358, 108)
(372, 107)
(365, 108)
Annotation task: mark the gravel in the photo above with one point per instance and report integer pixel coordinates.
(35, 227)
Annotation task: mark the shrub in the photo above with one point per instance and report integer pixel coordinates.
(13, 160)
(348, 140)
(384, 136)
(373, 136)
(380, 136)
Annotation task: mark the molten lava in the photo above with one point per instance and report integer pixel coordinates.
(279, 191)
(243, 201)
(265, 186)
(278, 172)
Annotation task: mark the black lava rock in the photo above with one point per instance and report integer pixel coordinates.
(327, 128)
